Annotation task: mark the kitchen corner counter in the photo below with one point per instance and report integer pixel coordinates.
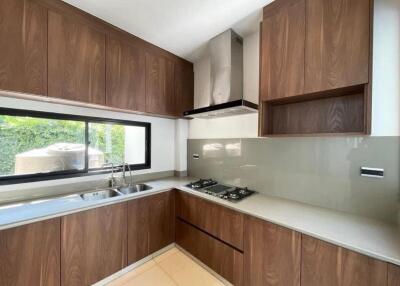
(371, 237)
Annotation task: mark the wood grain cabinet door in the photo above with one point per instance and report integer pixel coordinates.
(184, 88)
(223, 259)
(282, 50)
(161, 220)
(393, 275)
(271, 254)
(203, 214)
(76, 60)
(126, 65)
(330, 265)
(337, 44)
(138, 229)
(160, 95)
(23, 46)
(30, 254)
(93, 244)
(361, 270)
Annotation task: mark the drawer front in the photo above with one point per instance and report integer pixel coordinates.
(223, 259)
(216, 220)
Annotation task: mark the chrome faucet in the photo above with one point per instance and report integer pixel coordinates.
(112, 181)
(124, 175)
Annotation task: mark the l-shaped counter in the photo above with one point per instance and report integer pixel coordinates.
(367, 236)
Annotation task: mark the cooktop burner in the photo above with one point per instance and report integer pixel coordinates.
(212, 187)
(202, 183)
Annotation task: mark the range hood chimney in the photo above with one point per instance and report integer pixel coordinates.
(226, 96)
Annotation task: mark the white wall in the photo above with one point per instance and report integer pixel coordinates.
(385, 92)
(386, 70)
(181, 136)
(162, 137)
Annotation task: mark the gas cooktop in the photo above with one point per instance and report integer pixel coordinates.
(212, 187)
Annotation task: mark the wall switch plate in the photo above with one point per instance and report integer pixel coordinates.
(372, 172)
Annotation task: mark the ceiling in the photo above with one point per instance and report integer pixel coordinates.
(180, 26)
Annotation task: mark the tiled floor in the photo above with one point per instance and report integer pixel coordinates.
(172, 268)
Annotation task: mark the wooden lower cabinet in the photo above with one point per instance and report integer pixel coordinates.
(330, 265)
(151, 224)
(393, 275)
(161, 220)
(272, 254)
(30, 254)
(222, 258)
(138, 229)
(93, 244)
(219, 221)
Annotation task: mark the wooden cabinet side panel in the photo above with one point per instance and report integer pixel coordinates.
(93, 244)
(271, 254)
(23, 46)
(76, 60)
(337, 44)
(125, 75)
(138, 229)
(30, 254)
(282, 48)
(393, 275)
(202, 214)
(220, 257)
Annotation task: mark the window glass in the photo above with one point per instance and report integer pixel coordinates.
(117, 143)
(31, 145)
(38, 146)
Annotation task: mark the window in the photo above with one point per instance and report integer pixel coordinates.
(40, 146)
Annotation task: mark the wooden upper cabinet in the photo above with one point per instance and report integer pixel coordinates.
(93, 244)
(282, 46)
(337, 44)
(327, 264)
(76, 60)
(126, 65)
(30, 254)
(160, 97)
(23, 46)
(271, 254)
(393, 275)
(184, 88)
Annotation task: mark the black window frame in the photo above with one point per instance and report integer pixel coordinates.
(28, 178)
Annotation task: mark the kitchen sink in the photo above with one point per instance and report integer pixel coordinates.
(100, 195)
(134, 189)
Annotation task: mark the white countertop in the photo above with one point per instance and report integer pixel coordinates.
(367, 236)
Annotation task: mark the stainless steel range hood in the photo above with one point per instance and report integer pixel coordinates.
(226, 79)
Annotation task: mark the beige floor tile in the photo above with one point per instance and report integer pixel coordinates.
(155, 276)
(166, 254)
(185, 272)
(130, 275)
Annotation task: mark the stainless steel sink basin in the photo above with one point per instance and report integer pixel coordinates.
(99, 195)
(134, 189)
